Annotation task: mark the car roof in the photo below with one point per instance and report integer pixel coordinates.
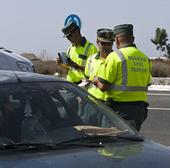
(7, 76)
(13, 55)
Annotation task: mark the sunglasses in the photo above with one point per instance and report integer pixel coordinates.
(70, 35)
(106, 43)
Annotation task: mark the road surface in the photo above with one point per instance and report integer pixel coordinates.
(157, 125)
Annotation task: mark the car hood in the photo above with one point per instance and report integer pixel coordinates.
(116, 155)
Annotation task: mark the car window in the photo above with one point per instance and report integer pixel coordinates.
(38, 112)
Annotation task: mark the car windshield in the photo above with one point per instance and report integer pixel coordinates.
(54, 112)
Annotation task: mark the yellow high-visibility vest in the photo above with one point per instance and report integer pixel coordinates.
(91, 71)
(79, 55)
(128, 71)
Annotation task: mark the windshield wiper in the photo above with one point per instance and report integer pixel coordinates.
(26, 146)
(93, 140)
(39, 146)
(131, 137)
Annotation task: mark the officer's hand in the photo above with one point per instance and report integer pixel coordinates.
(100, 85)
(95, 81)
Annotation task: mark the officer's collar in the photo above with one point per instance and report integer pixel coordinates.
(129, 45)
(83, 42)
(97, 56)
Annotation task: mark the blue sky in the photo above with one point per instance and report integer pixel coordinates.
(34, 25)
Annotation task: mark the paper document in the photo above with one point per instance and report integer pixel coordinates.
(84, 83)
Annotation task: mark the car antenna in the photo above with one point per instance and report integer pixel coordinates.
(19, 80)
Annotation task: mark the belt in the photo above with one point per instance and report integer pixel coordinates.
(110, 101)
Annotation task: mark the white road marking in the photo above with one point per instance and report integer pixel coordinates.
(165, 109)
(158, 94)
(159, 87)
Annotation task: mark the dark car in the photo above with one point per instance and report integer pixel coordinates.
(46, 122)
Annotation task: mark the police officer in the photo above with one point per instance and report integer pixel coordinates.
(78, 52)
(104, 42)
(125, 77)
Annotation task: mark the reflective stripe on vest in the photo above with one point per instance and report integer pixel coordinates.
(68, 52)
(85, 53)
(89, 64)
(124, 86)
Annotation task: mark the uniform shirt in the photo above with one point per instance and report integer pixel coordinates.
(79, 55)
(91, 71)
(128, 74)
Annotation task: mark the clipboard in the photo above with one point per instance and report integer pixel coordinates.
(63, 57)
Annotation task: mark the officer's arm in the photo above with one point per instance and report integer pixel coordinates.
(76, 66)
(81, 68)
(103, 86)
